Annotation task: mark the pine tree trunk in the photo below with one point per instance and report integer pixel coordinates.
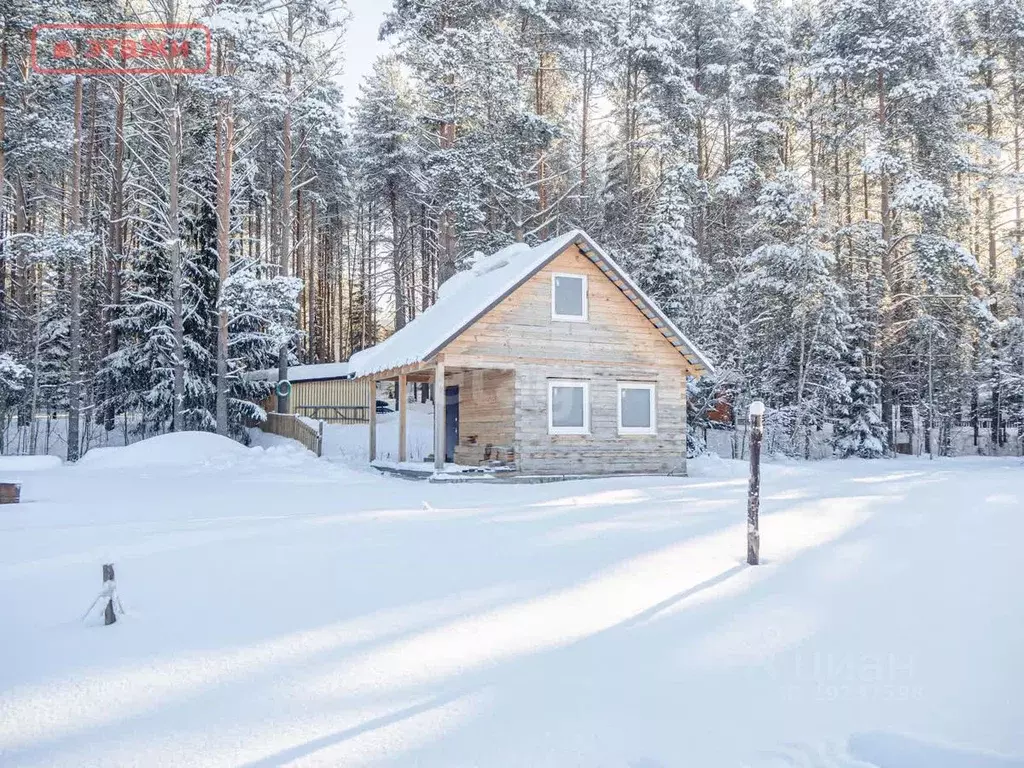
(300, 257)
(344, 289)
(542, 187)
(701, 214)
(446, 267)
(396, 258)
(425, 258)
(117, 243)
(990, 213)
(812, 149)
(75, 286)
(585, 121)
(225, 151)
(990, 225)
(90, 158)
(283, 401)
(20, 277)
(5, 319)
(174, 242)
(1018, 223)
(311, 261)
(887, 272)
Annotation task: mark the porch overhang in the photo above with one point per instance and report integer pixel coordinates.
(423, 372)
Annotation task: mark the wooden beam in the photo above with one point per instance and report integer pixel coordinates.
(373, 419)
(473, 362)
(440, 432)
(391, 374)
(403, 408)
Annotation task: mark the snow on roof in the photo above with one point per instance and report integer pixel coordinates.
(468, 294)
(459, 300)
(305, 372)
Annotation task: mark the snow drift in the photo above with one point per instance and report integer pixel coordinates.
(28, 463)
(173, 449)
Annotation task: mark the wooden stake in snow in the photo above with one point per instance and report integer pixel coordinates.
(754, 494)
(108, 593)
(109, 617)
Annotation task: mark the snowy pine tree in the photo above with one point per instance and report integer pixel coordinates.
(859, 431)
(869, 153)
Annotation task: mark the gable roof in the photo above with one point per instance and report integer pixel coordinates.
(468, 295)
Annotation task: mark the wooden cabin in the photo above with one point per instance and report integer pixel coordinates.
(324, 392)
(552, 360)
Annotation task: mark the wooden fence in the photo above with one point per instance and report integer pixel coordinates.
(289, 425)
(336, 401)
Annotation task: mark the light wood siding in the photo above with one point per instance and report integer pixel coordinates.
(616, 344)
(486, 415)
(326, 392)
(604, 450)
(521, 326)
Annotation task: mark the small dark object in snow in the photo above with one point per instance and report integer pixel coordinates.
(10, 493)
(109, 617)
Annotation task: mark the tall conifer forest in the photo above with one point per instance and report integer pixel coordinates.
(827, 197)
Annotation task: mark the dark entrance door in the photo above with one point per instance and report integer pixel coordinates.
(451, 421)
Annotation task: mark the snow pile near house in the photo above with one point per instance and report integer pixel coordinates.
(711, 465)
(172, 449)
(28, 463)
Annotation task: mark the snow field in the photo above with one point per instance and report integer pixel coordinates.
(283, 610)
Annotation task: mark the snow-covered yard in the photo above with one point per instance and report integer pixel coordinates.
(286, 610)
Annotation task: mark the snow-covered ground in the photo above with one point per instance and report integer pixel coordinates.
(284, 610)
(349, 443)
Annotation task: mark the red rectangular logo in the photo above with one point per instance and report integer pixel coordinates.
(121, 49)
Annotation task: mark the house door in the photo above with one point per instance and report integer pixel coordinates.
(451, 421)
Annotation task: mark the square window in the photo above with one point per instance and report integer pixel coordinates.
(636, 408)
(569, 297)
(568, 408)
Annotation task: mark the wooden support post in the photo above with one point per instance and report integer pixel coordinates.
(372, 413)
(109, 617)
(403, 407)
(754, 494)
(440, 406)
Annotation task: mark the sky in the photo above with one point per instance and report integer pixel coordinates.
(361, 44)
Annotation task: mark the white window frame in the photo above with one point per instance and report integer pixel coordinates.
(652, 388)
(586, 307)
(585, 386)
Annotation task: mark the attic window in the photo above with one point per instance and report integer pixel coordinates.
(569, 297)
